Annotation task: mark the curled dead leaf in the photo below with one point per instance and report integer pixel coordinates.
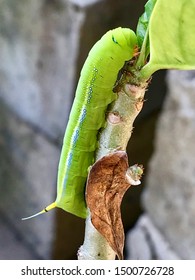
(106, 186)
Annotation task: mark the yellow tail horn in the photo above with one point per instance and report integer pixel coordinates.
(46, 209)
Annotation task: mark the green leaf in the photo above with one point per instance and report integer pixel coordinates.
(142, 33)
(172, 36)
(143, 21)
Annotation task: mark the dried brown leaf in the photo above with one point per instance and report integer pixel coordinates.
(106, 187)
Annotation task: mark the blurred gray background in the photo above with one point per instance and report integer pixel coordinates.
(43, 45)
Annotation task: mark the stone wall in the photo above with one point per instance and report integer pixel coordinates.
(169, 199)
(37, 70)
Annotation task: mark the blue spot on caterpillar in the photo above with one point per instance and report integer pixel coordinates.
(93, 95)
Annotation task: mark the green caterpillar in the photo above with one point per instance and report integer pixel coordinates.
(93, 95)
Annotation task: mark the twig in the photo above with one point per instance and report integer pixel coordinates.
(115, 136)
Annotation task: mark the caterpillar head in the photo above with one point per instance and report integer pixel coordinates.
(123, 38)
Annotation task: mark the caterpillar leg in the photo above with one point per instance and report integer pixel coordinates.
(46, 209)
